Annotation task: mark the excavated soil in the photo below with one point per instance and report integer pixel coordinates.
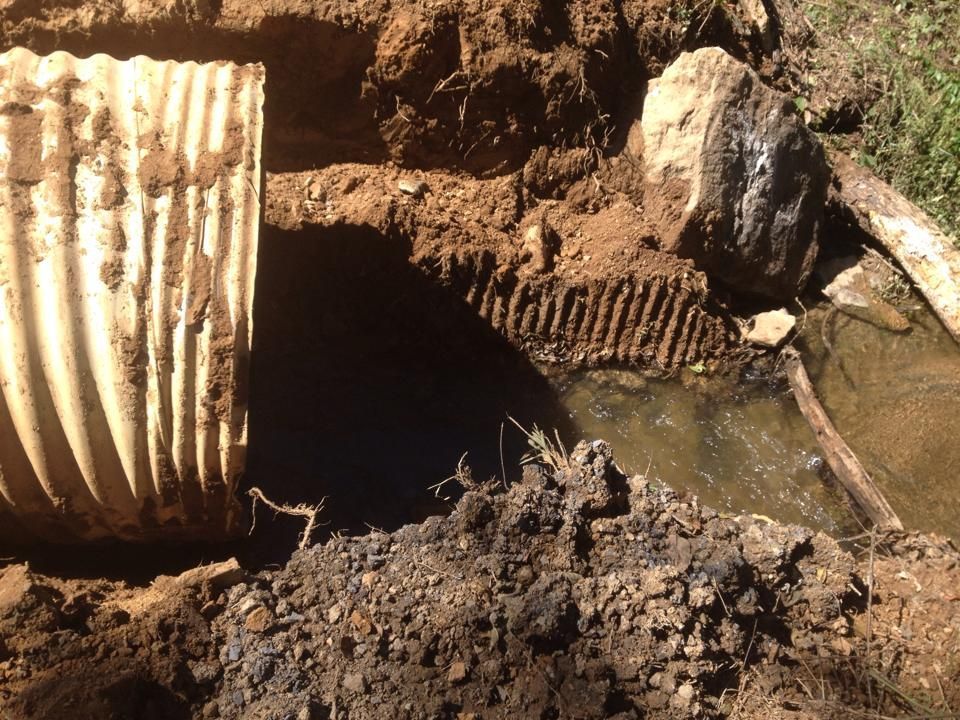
(560, 284)
(504, 124)
(577, 593)
(446, 186)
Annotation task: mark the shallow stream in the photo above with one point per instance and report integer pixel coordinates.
(740, 448)
(745, 448)
(367, 392)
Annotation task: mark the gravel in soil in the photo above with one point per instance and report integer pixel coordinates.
(578, 592)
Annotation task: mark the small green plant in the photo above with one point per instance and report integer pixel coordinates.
(909, 52)
(543, 450)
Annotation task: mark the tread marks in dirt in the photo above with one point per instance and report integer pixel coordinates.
(637, 318)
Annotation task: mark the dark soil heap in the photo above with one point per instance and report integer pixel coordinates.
(578, 593)
(572, 595)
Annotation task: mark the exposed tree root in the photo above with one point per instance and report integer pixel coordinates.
(310, 512)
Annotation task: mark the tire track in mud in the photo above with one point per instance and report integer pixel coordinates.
(639, 317)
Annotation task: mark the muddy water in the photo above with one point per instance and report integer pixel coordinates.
(740, 448)
(746, 448)
(898, 409)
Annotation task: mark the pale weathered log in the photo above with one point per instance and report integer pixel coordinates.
(907, 233)
(839, 456)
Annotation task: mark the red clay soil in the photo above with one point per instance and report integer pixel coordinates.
(561, 283)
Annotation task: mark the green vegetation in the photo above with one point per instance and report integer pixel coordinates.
(908, 55)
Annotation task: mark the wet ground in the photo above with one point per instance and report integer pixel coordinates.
(898, 409)
(747, 449)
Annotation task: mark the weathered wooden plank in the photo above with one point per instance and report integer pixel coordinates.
(908, 234)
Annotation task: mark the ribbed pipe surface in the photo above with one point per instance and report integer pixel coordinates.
(129, 212)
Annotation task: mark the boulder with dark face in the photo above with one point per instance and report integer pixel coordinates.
(732, 178)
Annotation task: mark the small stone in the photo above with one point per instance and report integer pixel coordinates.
(852, 291)
(458, 672)
(211, 710)
(361, 623)
(685, 692)
(537, 250)
(315, 191)
(259, 620)
(246, 606)
(769, 329)
(334, 614)
(368, 579)
(355, 682)
(414, 188)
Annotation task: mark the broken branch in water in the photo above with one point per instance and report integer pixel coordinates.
(838, 454)
(825, 336)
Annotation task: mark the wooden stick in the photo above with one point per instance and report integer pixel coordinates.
(906, 232)
(839, 456)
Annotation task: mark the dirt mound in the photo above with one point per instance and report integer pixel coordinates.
(453, 84)
(577, 593)
(561, 282)
(574, 594)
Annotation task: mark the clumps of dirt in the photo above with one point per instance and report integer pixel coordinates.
(915, 635)
(25, 165)
(564, 281)
(453, 84)
(578, 592)
(76, 644)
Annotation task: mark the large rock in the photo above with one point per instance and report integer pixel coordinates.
(733, 179)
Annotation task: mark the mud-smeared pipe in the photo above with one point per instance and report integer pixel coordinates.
(638, 317)
(129, 215)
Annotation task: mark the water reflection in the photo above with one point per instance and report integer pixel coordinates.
(901, 411)
(743, 448)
